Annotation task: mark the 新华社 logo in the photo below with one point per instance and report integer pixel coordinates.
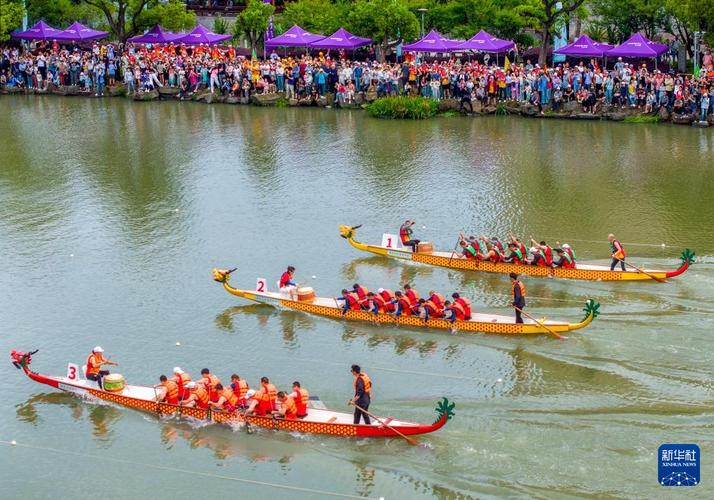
(679, 465)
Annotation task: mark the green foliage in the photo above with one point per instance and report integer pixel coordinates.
(621, 18)
(10, 17)
(501, 110)
(641, 119)
(316, 16)
(282, 103)
(383, 21)
(414, 108)
(172, 16)
(61, 13)
(449, 114)
(253, 21)
(220, 25)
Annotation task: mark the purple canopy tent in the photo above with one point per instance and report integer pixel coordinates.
(201, 36)
(78, 32)
(40, 31)
(432, 42)
(156, 35)
(486, 42)
(294, 37)
(637, 46)
(341, 39)
(584, 47)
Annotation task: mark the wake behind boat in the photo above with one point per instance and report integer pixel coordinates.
(479, 322)
(453, 260)
(317, 421)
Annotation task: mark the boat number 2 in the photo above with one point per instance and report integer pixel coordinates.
(72, 371)
(260, 285)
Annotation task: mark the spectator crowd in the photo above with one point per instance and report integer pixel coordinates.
(222, 71)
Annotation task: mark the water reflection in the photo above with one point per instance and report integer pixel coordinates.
(224, 321)
(394, 274)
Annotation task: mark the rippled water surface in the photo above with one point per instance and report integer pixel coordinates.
(112, 214)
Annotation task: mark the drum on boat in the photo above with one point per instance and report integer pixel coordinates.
(306, 294)
(114, 382)
(425, 247)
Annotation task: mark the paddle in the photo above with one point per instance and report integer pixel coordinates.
(456, 247)
(660, 280)
(407, 438)
(552, 332)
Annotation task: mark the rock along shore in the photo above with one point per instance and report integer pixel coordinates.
(569, 110)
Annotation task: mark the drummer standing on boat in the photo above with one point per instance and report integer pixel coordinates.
(363, 394)
(287, 285)
(95, 361)
(405, 234)
(519, 296)
(617, 251)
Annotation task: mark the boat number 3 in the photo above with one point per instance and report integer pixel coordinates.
(72, 371)
(260, 285)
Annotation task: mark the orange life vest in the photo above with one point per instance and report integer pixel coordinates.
(201, 397)
(413, 296)
(211, 381)
(361, 292)
(240, 389)
(465, 306)
(406, 306)
(231, 398)
(181, 380)
(459, 310)
(266, 396)
(437, 299)
(302, 401)
(96, 358)
(367, 383)
(290, 408)
(381, 304)
(353, 301)
(172, 392)
(522, 287)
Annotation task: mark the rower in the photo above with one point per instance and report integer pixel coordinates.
(468, 250)
(95, 361)
(227, 400)
(547, 251)
(302, 399)
(375, 303)
(170, 394)
(520, 246)
(493, 253)
(412, 295)
(497, 243)
(569, 250)
(351, 301)
(405, 234)
(464, 303)
(519, 296)
(288, 408)
(182, 378)
(538, 257)
(422, 310)
(401, 304)
(516, 256)
(198, 397)
(617, 252)
(240, 389)
(263, 399)
(210, 382)
(388, 297)
(361, 292)
(437, 299)
(287, 284)
(564, 259)
(363, 394)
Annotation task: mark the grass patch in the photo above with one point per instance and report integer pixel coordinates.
(413, 108)
(501, 110)
(449, 114)
(282, 103)
(641, 119)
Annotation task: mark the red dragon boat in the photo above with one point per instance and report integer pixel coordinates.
(317, 421)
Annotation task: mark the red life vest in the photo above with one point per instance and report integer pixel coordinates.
(404, 234)
(522, 248)
(302, 401)
(380, 302)
(465, 305)
(539, 259)
(361, 292)
(618, 251)
(548, 256)
(437, 299)
(266, 396)
(353, 301)
(172, 392)
(568, 262)
(431, 308)
(498, 244)
(413, 297)
(240, 389)
(458, 310)
(570, 252)
(181, 380)
(406, 306)
(387, 295)
(497, 255)
(470, 252)
(517, 259)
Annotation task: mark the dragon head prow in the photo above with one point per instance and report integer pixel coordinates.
(222, 275)
(347, 232)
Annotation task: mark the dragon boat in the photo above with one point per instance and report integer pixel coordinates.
(319, 420)
(479, 322)
(453, 260)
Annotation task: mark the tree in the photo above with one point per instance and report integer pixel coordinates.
(624, 17)
(544, 15)
(316, 16)
(58, 13)
(689, 16)
(10, 17)
(171, 15)
(253, 21)
(386, 21)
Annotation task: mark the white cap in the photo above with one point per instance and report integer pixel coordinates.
(250, 393)
(534, 250)
(178, 370)
(98, 349)
(565, 245)
(380, 290)
(191, 385)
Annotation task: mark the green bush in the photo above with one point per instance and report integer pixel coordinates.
(414, 108)
(642, 119)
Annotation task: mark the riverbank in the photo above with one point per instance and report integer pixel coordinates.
(447, 107)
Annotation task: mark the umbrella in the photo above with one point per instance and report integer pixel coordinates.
(156, 35)
(584, 47)
(637, 46)
(341, 39)
(201, 35)
(40, 31)
(77, 32)
(486, 42)
(294, 37)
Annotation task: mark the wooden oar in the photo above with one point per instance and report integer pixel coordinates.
(456, 247)
(660, 280)
(407, 438)
(552, 332)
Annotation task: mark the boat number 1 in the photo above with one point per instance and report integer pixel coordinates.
(72, 371)
(260, 285)
(389, 242)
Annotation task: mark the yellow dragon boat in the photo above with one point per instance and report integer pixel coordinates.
(453, 260)
(479, 322)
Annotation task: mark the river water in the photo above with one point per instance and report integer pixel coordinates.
(112, 214)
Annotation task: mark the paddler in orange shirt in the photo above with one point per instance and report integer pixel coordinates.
(288, 408)
(170, 393)
(617, 252)
(264, 399)
(95, 361)
(198, 397)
